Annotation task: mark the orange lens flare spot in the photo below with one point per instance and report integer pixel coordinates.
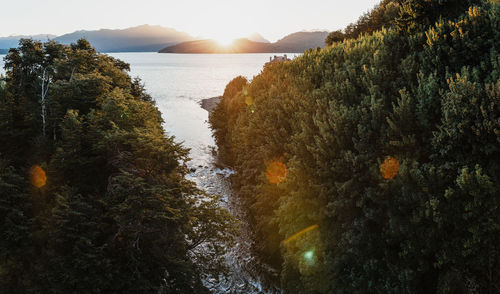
(276, 172)
(302, 232)
(38, 178)
(389, 168)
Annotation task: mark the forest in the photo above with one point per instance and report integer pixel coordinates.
(93, 195)
(373, 165)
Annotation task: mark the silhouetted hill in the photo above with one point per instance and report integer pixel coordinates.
(143, 38)
(256, 37)
(211, 46)
(147, 38)
(301, 41)
(294, 43)
(12, 41)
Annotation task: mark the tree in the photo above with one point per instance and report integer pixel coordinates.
(114, 213)
(333, 37)
(390, 143)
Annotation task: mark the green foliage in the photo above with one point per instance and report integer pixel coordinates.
(116, 214)
(424, 93)
(383, 15)
(335, 36)
(418, 14)
(224, 113)
(16, 237)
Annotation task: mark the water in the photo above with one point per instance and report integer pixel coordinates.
(178, 82)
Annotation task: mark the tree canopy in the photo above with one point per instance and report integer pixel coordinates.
(93, 195)
(391, 145)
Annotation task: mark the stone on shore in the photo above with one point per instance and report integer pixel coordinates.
(210, 103)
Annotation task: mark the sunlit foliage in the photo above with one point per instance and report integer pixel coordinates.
(391, 143)
(383, 15)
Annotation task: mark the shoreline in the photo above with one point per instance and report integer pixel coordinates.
(210, 103)
(244, 274)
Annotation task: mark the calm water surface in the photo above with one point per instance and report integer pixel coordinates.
(178, 82)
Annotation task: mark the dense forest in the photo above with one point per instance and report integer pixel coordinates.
(373, 165)
(93, 197)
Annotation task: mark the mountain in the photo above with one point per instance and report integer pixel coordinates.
(211, 46)
(256, 37)
(12, 41)
(301, 41)
(293, 43)
(144, 38)
(147, 38)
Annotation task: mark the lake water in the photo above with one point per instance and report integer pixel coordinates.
(178, 82)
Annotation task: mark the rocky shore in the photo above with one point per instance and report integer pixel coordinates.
(247, 274)
(210, 103)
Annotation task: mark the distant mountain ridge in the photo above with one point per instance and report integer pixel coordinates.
(153, 38)
(300, 41)
(144, 38)
(13, 41)
(256, 37)
(293, 43)
(211, 46)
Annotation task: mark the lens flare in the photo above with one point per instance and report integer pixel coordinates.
(389, 168)
(309, 257)
(249, 100)
(302, 232)
(276, 172)
(38, 178)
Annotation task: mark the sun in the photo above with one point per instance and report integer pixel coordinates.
(224, 37)
(225, 41)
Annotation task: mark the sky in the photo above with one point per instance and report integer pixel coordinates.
(217, 19)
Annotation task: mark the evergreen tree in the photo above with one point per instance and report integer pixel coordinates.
(390, 144)
(110, 210)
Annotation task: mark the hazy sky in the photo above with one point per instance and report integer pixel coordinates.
(218, 19)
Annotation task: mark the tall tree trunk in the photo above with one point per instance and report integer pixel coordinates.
(72, 72)
(45, 90)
